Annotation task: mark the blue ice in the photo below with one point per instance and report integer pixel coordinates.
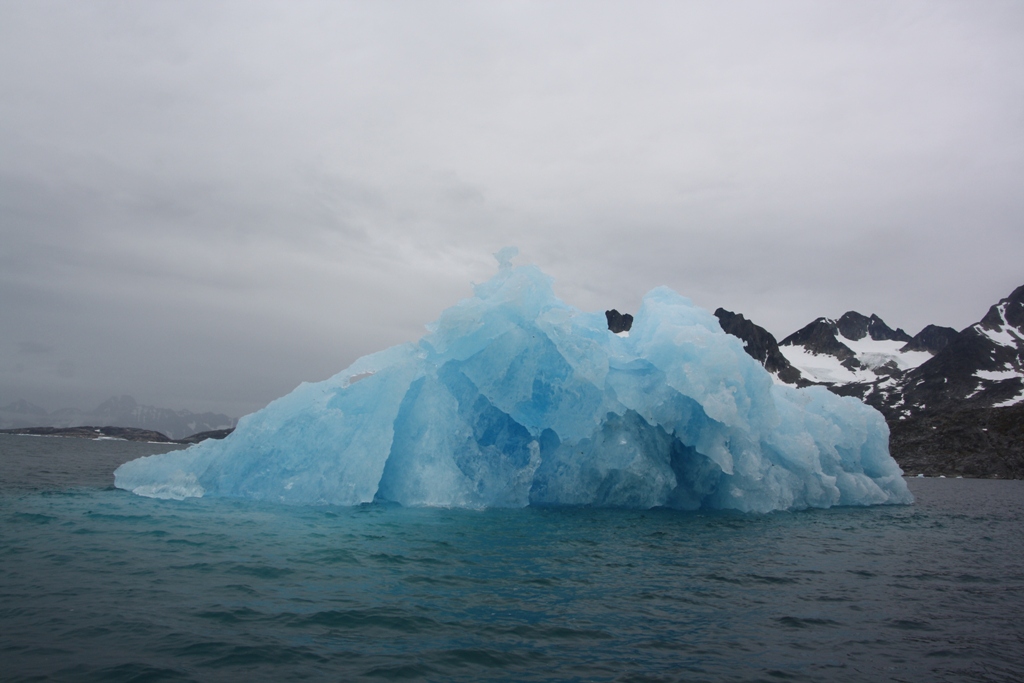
(515, 398)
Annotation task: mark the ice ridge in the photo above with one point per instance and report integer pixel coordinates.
(515, 398)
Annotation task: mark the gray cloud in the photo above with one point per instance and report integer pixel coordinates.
(202, 204)
(34, 348)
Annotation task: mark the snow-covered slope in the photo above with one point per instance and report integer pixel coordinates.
(855, 349)
(870, 359)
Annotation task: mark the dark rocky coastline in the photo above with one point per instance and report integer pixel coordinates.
(122, 433)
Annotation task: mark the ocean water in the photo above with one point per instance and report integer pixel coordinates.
(97, 584)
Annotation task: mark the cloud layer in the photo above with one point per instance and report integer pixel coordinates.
(202, 204)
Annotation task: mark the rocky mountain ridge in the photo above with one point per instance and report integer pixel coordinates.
(934, 388)
(761, 345)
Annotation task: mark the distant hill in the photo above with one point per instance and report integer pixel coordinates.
(118, 433)
(954, 401)
(88, 432)
(121, 411)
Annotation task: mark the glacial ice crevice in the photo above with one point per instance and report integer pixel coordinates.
(515, 398)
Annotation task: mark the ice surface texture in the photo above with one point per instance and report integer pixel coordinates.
(515, 398)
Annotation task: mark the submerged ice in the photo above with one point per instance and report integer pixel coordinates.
(515, 398)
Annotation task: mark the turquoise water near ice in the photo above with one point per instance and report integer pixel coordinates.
(99, 585)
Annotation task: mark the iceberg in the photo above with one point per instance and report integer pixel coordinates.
(515, 398)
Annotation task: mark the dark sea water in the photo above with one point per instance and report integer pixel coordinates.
(97, 584)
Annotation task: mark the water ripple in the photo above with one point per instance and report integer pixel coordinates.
(99, 585)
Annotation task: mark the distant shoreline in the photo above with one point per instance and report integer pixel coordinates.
(116, 433)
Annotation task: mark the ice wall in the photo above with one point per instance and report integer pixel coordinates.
(515, 398)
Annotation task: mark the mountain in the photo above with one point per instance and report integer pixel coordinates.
(853, 350)
(931, 339)
(982, 367)
(855, 326)
(954, 401)
(121, 411)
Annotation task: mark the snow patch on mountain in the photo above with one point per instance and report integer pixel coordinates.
(823, 368)
(1003, 336)
(874, 354)
(996, 375)
(870, 358)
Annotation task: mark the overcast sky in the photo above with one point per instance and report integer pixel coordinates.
(204, 203)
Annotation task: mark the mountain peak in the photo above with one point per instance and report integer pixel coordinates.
(855, 326)
(932, 339)
(1016, 296)
(820, 337)
(1009, 312)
